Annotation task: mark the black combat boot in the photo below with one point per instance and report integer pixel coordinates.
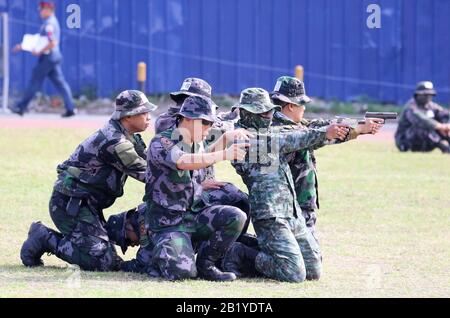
(40, 240)
(206, 267)
(240, 260)
(444, 146)
(249, 240)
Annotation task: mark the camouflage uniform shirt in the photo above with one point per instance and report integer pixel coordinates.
(173, 196)
(426, 118)
(269, 180)
(303, 162)
(303, 165)
(99, 167)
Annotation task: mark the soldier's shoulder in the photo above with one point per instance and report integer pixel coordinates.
(164, 115)
(163, 139)
(113, 131)
(437, 107)
(316, 122)
(410, 104)
(277, 122)
(109, 138)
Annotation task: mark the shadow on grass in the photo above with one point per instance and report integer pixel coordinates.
(49, 274)
(20, 273)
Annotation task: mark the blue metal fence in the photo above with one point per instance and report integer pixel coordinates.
(235, 44)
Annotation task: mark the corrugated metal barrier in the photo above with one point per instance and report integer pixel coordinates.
(235, 44)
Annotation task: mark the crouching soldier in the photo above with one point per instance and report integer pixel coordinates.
(88, 182)
(128, 229)
(423, 125)
(176, 213)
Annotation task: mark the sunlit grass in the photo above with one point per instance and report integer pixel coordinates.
(383, 225)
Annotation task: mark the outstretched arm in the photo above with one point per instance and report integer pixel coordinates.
(204, 160)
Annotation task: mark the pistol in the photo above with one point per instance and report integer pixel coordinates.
(381, 115)
(353, 122)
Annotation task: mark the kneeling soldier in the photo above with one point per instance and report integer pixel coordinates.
(214, 192)
(287, 250)
(176, 213)
(88, 182)
(289, 93)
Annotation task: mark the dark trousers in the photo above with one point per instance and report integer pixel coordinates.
(216, 229)
(47, 67)
(85, 240)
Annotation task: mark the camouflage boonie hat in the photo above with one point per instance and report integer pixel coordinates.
(131, 103)
(198, 107)
(190, 87)
(425, 88)
(256, 101)
(116, 228)
(290, 90)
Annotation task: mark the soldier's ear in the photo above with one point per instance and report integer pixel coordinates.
(291, 107)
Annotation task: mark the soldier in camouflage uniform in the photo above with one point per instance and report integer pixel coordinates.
(423, 125)
(289, 93)
(215, 193)
(190, 87)
(177, 214)
(287, 250)
(88, 182)
(128, 229)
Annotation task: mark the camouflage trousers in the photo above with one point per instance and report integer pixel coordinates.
(143, 263)
(288, 251)
(310, 220)
(85, 242)
(216, 228)
(418, 139)
(229, 194)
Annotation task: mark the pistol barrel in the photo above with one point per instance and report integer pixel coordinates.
(381, 115)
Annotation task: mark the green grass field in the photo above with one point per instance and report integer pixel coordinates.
(383, 225)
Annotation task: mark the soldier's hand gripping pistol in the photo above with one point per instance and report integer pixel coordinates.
(378, 117)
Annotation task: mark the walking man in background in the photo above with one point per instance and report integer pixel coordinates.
(49, 63)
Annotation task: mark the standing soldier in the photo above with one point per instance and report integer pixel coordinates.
(177, 215)
(215, 192)
(49, 63)
(423, 125)
(88, 182)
